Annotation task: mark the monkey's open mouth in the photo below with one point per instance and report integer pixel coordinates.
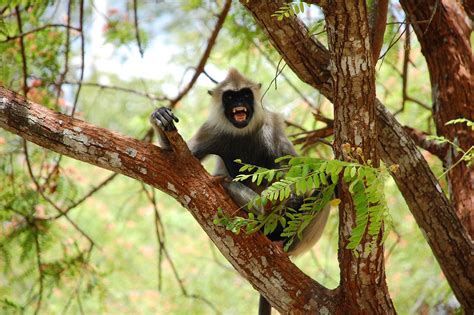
(240, 113)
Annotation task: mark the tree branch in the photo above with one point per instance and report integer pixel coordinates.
(377, 23)
(10, 38)
(262, 263)
(353, 70)
(206, 54)
(433, 212)
(446, 46)
(421, 140)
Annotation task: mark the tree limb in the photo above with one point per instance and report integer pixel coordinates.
(377, 23)
(446, 45)
(433, 212)
(432, 146)
(206, 54)
(262, 263)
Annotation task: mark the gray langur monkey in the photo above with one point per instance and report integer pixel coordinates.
(239, 127)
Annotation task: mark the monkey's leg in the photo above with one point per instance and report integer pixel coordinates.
(240, 193)
(311, 233)
(264, 307)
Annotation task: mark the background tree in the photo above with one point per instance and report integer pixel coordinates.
(55, 210)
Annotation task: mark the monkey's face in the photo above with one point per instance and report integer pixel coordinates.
(238, 106)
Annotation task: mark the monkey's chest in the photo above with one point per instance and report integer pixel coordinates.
(249, 151)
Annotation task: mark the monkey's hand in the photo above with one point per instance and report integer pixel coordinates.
(163, 118)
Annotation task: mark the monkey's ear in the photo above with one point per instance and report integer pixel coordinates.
(209, 92)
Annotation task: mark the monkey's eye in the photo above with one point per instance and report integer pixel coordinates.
(227, 97)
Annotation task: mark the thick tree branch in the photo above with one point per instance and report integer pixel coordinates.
(449, 241)
(353, 73)
(445, 43)
(432, 146)
(377, 23)
(266, 267)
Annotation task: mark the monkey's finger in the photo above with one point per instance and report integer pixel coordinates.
(173, 116)
(162, 121)
(170, 121)
(168, 115)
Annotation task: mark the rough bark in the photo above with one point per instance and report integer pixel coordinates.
(433, 212)
(262, 263)
(443, 30)
(363, 280)
(447, 238)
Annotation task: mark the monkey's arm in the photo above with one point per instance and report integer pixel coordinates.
(200, 146)
(240, 193)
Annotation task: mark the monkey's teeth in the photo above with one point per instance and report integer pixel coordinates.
(239, 109)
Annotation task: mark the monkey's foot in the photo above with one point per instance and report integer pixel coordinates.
(220, 179)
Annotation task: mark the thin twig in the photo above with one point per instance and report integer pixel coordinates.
(209, 77)
(284, 76)
(23, 53)
(431, 17)
(278, 71)
(40, 270)
(393, 41)
(159, 232)
(21, 35)
(119, 88)
(159, 229)
(405, 72)
(137, 30)
(206, 54)
(62, 76)
(25, 145)
(48, 200)
(84, 198)
(81, 78)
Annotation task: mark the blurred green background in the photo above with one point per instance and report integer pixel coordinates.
(126, 272)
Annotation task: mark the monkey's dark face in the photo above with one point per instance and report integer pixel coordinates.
(238, 106)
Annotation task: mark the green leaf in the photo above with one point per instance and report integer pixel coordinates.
(287, 192)
(316, 180)
(323, 179)
(296, 9)
(283, 158)
(353, 171)
(352, 185)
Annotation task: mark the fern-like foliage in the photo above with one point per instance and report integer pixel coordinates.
(467, 155)
(289, 9)
(299, 177)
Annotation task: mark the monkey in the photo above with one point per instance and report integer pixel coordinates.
(239, 127)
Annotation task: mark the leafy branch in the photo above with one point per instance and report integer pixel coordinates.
(289, 9)
(467, 155)
(302, 187)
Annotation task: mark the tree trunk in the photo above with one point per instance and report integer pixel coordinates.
(449, 241)
(443, 30)
(363, 281)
